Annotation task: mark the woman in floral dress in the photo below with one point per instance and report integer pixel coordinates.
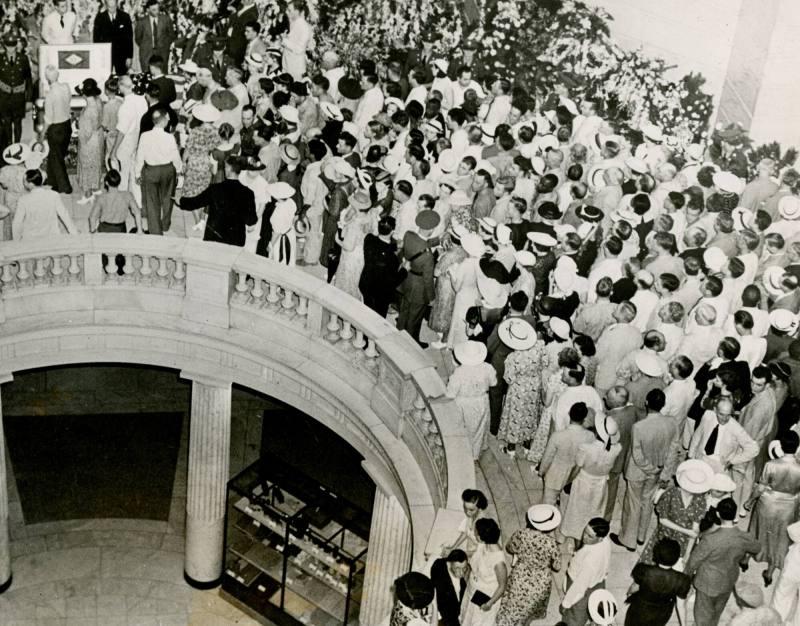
(523, 401)
(536, 556)
(442, 310)
(110, 112)
(554, 386)
(354, 224)
(681, 508)
(198, 165)
(469, 386)
(91, 141)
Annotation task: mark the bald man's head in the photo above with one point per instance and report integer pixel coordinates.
(616, 397)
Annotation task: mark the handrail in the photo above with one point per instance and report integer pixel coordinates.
(217, 284)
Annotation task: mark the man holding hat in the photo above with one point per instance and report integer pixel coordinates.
(417, 290)
(15, 90)
(114, 26)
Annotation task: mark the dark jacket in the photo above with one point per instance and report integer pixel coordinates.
(237, 44)
(166, 87)
(118, 33)
(231, 208)
(165, 35)
(418, 285)
(448, 599)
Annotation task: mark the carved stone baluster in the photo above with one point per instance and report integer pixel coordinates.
(288, 300)
(162, 271)
(258, 290)
(128, 268)
(302, 306)
(333, 328)
(180, 272)
(420, 411)
(371, 351)
(8, 277)
(347, 332)
(274, 296)
(111, 268)
(74, 267)
(23, 274)
(146, 270)
(358, 340)
(57, 269)
(241, 285)
(39, 269)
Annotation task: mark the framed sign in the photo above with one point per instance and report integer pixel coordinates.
(75, 63)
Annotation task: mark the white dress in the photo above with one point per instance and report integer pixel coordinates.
(469, 386)
(297, 42)
(464, 277)
(482, 578)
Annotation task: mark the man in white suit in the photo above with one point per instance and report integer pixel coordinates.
(721, 441)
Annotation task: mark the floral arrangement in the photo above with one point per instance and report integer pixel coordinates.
(370, 28)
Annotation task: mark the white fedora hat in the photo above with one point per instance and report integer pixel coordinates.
(544, 517)
(774, 450)
(694, 476)
(742, 218)
(606, 428)
(789, 207)
(722, 482)
(470, 352)
(516, 333)
(473, 244)
(772, 280)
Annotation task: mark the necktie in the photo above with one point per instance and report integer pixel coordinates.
(62, 21)
(711, 444)
(154, 25)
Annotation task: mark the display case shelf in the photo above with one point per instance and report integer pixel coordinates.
(304, 547)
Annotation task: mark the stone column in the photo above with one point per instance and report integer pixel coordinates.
(209, 452)
(389, 557)
(5, 552)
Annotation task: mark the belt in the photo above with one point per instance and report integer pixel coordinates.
(159, 165)
(6, 88)
(415, 273)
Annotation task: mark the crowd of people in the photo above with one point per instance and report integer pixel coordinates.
(621, 317)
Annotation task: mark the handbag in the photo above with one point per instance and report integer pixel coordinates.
(479, 598)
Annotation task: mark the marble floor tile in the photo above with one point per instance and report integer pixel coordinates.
(137, 563)
(82, 606)
(55, 565)
(111, 606)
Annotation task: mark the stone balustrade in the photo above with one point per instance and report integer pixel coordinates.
(163, 283)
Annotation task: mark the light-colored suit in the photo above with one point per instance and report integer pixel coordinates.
(734, 446)
(650, 445)
(758, 421)
(559, 457)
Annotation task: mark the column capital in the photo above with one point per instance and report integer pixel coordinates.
(204, 378)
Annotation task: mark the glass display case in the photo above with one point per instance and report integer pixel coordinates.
(295, 552)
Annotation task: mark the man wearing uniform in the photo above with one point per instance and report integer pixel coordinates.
(417, 290)
(15, 90)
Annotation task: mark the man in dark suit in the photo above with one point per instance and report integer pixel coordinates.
(714, 564)
(154, 34)
(243, 12)
(417, 290)
(231, 207)
(449, 580)
(213, 56)
(114, 26)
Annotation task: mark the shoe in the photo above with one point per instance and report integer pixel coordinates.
(767, 578)
(639, 543)
(511, 453)
(438, 345)
(615, 540)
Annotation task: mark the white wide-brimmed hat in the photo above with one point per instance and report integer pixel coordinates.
(516, 333)
(559, 327)
(206, 113)
(636, 165)
(473, 244)
(789, 207)
(16, 153)
(603, 607)
(280, 190)
(784, 320)
(722, 482)
(727, 182)
(649, 364)
(470, 352)
(606, 428)
(694, 476)
(771, 280)
(774, 450)
(544, 517)
(714, 258)
(652, 132)
(742, 218)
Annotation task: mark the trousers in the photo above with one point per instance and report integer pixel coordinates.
(613, 488)
(58, 138)
(708, 609)
(158, 185)
(637, 507)
(410, 316)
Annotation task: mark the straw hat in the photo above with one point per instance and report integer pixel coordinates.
(473, 244)
(16, 153)
(694, 476)
(206, 113)
(649, 364)
(772, 280)
(283, 216)
(742, 218)
(448, 161)
(470, 352)
(544, 517)
(332, 111)
(606, 427)
(784, 320)
(714, 258)
(789, 207)
(749, 594)
(603, 607)
(559, 327)
(774, 450)
(652, 132)
(722, 482)
(727, 182)
(280, 190)
(516, 333)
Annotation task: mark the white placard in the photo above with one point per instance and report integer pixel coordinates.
(75, 62)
